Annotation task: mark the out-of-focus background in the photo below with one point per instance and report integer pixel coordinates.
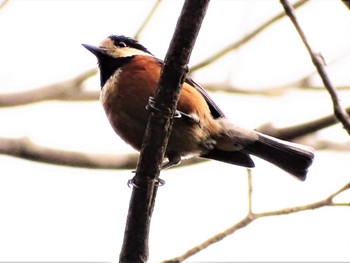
(57, 213)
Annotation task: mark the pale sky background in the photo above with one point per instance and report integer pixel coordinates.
(51, 213)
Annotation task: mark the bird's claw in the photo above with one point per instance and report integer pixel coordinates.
(158, 182)
(164, 112)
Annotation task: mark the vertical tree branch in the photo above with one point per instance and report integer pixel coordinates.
(317, 60)
(346, 3)
(145, 182)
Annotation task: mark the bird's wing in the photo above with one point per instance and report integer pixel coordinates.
(234, 157)
(216, 112)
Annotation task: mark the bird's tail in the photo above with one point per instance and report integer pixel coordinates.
(290, 157)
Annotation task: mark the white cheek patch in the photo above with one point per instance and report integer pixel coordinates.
(128, 52)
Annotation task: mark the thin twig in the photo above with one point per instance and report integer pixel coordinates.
(147, 19)
(244, 40)
(3, 3)
(305, 81)
(328, 145)
(317, 60)
(250, 217)
(210, 241)
(272, 91)
(228, 88)
(250, 191)
(299, 130)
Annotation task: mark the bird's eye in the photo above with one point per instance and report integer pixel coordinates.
(122, 44)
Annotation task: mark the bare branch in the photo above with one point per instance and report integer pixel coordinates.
(346, 3)
(317, 60)
(296, 131)
(329, 145)
(244, 40)
(303, 83)
(218, 237)
(26, 149)
(250, 217)
(325, 202)
(3, 3)
(148, 18)
(71, 89)
(268, 92)
(223, 87)
(145, 181)
(250, 191)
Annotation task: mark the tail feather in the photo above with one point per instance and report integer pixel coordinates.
(290, 157)
(236, 157)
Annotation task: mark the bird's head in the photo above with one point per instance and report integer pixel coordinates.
(114, 52)
(117, 46)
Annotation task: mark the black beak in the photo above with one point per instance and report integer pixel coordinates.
(97, 51)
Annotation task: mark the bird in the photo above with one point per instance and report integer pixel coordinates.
(129, 76)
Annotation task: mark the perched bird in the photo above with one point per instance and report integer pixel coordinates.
(129, 76)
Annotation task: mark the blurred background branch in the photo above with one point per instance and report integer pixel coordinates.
(244, 40)
(68, 90)
(147, 19)
(25, 149)
(3, 3)
(252, 216)
(318, 61)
